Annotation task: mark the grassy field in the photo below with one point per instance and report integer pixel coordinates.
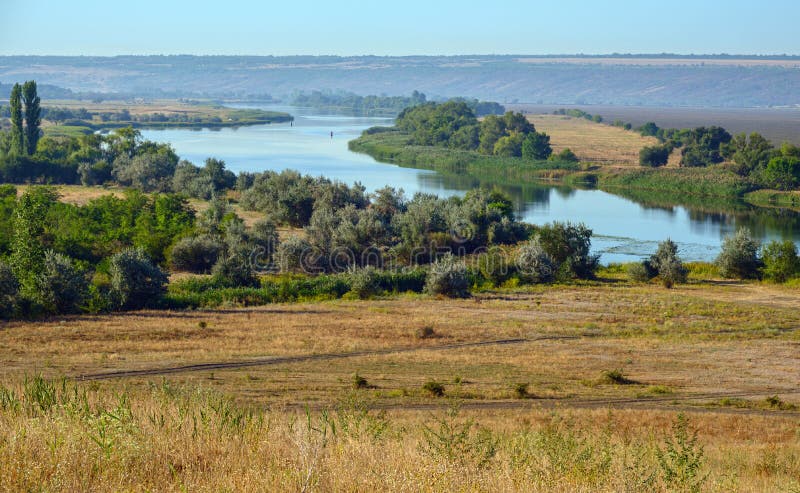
(561, 388)
(593, 142)
(776, 124)
(198, 115)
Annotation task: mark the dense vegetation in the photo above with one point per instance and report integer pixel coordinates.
(455, 125)
(388, 106)
(752, 157)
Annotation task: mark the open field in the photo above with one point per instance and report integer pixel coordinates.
(715, 351)
(777, 124)
(593, 142)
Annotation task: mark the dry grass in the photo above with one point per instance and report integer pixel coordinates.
(681, 347)
(593, 142)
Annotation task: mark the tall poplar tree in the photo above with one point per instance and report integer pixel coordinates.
(17, 136)
(33, 115)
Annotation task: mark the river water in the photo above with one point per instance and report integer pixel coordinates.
(624, 229)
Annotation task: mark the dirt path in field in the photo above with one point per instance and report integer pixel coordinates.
(673, 402)
(228, 365)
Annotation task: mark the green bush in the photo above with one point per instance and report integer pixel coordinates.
(780, 260)
(639, 272)
(434, 388)
(234, 271)
(365, 282)
(494, 266)
(60, 287)
(196, 254)
(135, 281)
(9, 291)
(667, 264)
(739, 256)
(654, 156)
(534, 264)
(448, 276)
(569, 246)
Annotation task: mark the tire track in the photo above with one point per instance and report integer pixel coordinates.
(229, 365)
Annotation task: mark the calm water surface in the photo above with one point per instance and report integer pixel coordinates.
(624, 229)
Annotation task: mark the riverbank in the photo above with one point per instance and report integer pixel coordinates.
(73, 118)
(715, 181)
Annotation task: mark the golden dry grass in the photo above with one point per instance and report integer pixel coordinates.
(592, 142)
(681, 347)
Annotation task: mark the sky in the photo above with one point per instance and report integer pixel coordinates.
(399, 27)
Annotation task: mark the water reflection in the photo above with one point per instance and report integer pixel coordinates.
(627, 225)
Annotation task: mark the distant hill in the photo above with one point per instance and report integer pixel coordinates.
(642, 80)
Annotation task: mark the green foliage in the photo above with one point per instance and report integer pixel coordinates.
(135, 281)
(536, 146)
(682, 459)
(782, 172)
(234, 270)
(654, 156)
(749, 153)
(565, 156)
(9, 291)
(27, 248)
(448, 277)
(435, 124)
(739, 256)
(365, 282)
(494, 266)
(458, 441)
(196, 254)
(639, 272)
(353, 104)
(666, 263)
(60, 287)
(569, 245)
(534, 264)
(434, 388)
(17, 131)
(780, 260)
(33, 118)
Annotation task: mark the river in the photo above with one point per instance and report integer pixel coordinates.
(624, 229)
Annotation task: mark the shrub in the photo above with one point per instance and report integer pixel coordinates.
(640, 271)
(521, 391)
(196, 254)
(667, 264)
(234, 271)
(448, 276)
(739, 256)
(359, 382)
(614, 377)
(60, 287)
(569, 246)
(780, 261)
(365, 283)
(433, 387)
(426, 332)
(654, 156)
(294, 255)
(682, 460)
(135, 280)
(494, 266)
(534, 264)
(9, 291)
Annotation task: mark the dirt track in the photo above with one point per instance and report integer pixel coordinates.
(675, 402)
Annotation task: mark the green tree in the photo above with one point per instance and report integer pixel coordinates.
(739, 256)
(509, 146)
(782, 172)
(33, 116)
(749, 153)
(654, 156)
(17, 134)
(780, 261)
(536, 146)
(492, 129)
(27, 249)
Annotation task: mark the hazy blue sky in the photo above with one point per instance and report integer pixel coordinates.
(404, 27)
